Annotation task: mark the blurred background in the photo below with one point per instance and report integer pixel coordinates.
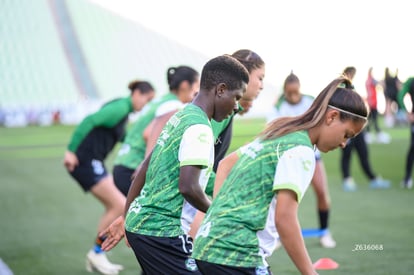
(60, 60)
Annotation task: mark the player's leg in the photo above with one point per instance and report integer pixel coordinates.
(362, 151)
(93, 177)
(122, 178)
(374, 114)
(369, 137)
(114, 202)
(381, 137)
(320, 186)
(388, 116)
(112, 199)
(348, 183)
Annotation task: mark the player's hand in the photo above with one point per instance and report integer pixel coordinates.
(113, 233)
(70, 161)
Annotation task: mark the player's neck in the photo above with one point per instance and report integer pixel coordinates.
(205, 103)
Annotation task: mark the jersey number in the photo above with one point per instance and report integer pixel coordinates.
(187, 243)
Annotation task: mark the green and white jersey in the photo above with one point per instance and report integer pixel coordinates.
(160, 210)
(284, 108)
(239, 227)
(132, 151)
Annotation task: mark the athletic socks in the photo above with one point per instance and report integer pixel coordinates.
(98, 242)
(323, 219)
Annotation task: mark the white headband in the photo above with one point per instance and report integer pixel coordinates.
(346, 112)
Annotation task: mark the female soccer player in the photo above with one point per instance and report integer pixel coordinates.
(183, 82)
(223, 130)
(360, 145)
(408, 88)
(292, 103)
(264, 181)
(168, 188)
(371, 87)
(92, 141)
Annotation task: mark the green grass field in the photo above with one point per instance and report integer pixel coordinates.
(47, 223)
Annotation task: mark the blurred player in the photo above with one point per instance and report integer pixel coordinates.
(223, 131)
(408, 88)
(359, 144)
(93, 139)
(183, 82)
(292, 103)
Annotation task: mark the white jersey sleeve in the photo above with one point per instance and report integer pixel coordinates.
(295, 170)
(168, 106)
(284, 108)
(196, 146)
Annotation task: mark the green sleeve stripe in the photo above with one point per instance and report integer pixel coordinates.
(289, 186)
(404, 90)
(112, 113)
(108, 116)
(201, 162)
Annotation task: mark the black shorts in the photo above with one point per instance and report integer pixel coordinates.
(391, 95)
(89, 172)
(122, 178)
(211, 268)
(163, 255)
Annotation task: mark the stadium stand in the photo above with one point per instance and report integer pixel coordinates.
(34, 74)
(43, 71)
(119, 50)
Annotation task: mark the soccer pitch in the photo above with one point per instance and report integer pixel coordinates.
(47, 223)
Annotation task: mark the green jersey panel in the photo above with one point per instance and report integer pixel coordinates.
(161, 210)
(108, 116)
(132, 151)
(218, 127)
(239, 227)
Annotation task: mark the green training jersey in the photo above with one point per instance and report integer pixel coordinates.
(108, 117)
(132, 151)
(160, 210)
(218, 127)
(239, 227)
(407, 88)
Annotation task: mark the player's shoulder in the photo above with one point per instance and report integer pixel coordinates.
(116, 105)
(308, 97)
(168, 106)
(296, 138)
